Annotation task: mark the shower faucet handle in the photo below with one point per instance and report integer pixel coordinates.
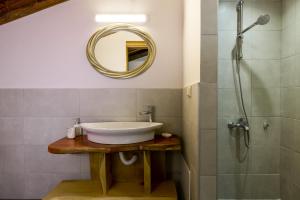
(266, 125)
(231, 125)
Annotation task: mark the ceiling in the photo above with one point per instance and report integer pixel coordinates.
(13, 9)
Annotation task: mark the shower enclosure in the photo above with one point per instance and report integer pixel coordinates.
(259, 106)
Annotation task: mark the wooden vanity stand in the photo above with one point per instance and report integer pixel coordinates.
(110, 178)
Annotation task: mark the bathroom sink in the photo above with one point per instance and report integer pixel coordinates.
(120, 132)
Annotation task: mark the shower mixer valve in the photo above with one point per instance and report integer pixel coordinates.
(242, 124)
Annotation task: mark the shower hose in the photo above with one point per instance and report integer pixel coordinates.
(246, 131)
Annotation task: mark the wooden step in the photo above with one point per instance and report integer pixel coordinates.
(91, 190)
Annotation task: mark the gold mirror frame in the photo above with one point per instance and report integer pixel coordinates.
(111, 29)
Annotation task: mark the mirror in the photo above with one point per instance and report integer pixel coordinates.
(121, 51)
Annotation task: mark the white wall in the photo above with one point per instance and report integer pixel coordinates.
(47, 49)
(191, 42)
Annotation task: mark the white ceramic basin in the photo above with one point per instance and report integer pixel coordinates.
(120, 132)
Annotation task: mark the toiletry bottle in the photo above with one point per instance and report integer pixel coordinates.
(71, 133)
(78, 129)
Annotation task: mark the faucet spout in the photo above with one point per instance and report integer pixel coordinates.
(149, 112)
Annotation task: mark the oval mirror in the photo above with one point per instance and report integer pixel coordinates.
(121, 51)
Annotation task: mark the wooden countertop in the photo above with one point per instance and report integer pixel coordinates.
(82, 145)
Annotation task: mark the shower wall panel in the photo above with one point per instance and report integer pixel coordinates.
(290, 104)
(253, 173)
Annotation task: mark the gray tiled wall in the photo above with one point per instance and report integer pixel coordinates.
(208, 139)
(290, 106)
(254, 173)
(30, 119)
(208, 100)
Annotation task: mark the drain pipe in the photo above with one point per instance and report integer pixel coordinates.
(125, 161)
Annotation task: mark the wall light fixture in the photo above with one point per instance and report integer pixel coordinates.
(122, 18)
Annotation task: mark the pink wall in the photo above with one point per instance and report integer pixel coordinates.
(47, 49)
(191, 42)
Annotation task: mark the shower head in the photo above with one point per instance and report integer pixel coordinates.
(261, 20)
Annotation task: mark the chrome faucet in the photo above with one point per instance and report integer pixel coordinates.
(149, 112)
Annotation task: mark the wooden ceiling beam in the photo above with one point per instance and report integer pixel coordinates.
(14, 9)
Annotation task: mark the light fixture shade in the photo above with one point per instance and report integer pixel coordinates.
(121, 18)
